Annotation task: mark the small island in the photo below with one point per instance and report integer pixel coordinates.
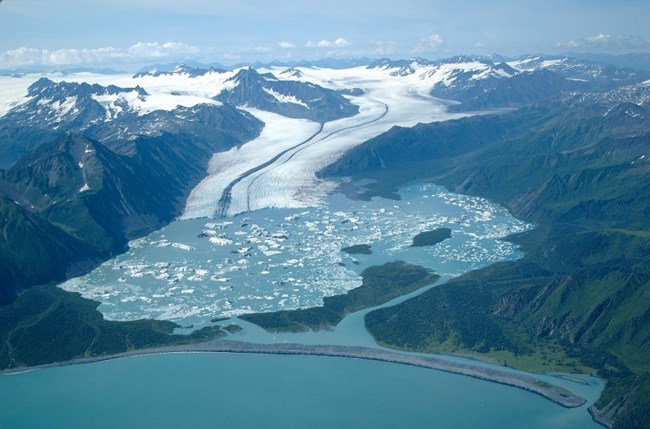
(431, 238)
(359, 249)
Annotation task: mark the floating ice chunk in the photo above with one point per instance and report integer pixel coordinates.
(220, 241)
(182, 246)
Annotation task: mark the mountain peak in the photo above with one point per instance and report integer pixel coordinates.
(248, 75)
(178, 69)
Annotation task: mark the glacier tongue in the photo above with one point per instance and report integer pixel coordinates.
(279, 134)
(278, 168)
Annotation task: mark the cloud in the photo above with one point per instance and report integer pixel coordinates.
(338, 43)
(286, 45)
(385, 48)
(161, 50)
(600, 38)
(429, 44)
(569, 44)
(608, 43)
(141, 51)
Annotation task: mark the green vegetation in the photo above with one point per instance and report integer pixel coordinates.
(578, 300)
(380, 284)
(359, 249)
(431, 238)
(46, 325)
(33, 251)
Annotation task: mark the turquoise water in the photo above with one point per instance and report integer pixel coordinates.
(252, 391)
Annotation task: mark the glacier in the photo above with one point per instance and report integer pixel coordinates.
(289, 180)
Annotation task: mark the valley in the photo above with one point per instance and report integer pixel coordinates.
(194, 204)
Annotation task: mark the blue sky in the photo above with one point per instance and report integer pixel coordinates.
(130, 33)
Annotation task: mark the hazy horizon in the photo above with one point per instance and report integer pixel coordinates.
(122, 35)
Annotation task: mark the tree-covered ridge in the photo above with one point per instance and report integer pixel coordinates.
(46, 325)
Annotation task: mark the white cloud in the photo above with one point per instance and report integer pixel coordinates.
(286, 45)
(570, 44)
(341, 42)
(607, 43)
(385, 48)
(142, 51)
(161, 50)
(338, 43)
(600, 38)
(429, 44)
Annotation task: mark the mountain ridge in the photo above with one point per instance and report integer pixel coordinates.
(579, 172)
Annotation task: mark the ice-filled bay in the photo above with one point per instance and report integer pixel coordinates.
(195, 270)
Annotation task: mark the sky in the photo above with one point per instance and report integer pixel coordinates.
(127, 34)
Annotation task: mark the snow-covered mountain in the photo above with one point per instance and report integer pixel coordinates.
(638, 94)
(177, 98)
(448, 71)
(479, 82)
(109, 114)
(293, 99)
(180, 69)
(184, 99)
(602, 75)
(73, 104)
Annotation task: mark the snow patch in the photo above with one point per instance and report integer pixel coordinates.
(282, 98)
(63, 108)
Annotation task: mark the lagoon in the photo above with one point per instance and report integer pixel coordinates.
(193, 271)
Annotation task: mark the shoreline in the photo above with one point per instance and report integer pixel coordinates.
(528, 383)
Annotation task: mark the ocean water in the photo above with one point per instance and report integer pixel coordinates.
(209, 390)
